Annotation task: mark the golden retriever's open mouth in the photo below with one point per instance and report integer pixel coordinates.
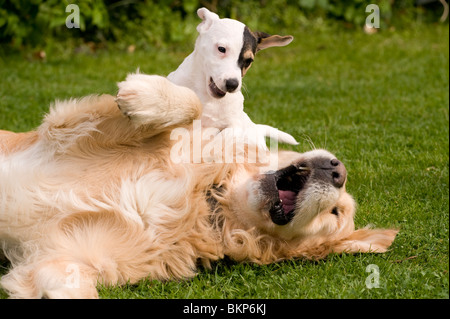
(283, 187)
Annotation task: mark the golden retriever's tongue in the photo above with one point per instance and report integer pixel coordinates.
(288, 200)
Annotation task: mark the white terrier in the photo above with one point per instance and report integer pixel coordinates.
(224, 51)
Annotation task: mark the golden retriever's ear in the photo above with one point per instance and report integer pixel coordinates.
(366, 241)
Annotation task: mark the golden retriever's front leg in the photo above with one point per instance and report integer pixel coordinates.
(70, 120)
(153, 100)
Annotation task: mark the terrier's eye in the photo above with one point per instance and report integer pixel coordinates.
(222, 49)
(335, 211)
(247, 62)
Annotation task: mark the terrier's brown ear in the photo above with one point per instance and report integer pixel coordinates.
(266, 40)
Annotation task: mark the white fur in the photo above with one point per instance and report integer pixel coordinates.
(207, 62)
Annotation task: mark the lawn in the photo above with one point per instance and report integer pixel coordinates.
(379, 102)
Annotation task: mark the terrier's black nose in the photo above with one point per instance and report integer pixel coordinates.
(231, 85)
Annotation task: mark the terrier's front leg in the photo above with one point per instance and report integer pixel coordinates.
(154, 100)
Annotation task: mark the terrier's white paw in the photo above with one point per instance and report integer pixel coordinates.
(276, 134)
(250, 135)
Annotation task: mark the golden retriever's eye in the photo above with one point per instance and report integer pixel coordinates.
(335, 211)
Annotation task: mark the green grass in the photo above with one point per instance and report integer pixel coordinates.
(379, 102)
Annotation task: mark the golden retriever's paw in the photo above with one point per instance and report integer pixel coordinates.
(70, 293)
(137, 96)
(152, 99)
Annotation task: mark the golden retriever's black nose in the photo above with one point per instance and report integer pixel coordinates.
(338, 173)
(231, 85)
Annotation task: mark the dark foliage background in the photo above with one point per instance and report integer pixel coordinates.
(146, 24)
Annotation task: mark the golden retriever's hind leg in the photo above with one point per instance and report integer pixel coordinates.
(51, 279)
(154, 100)
(72, 280)
(70, 120)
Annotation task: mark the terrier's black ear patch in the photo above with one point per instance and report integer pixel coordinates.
(246, 56)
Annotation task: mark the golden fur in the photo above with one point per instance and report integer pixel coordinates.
(93, 196)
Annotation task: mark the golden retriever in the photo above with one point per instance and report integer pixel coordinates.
(94, 196)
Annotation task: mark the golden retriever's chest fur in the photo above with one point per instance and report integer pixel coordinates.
(136, 182)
